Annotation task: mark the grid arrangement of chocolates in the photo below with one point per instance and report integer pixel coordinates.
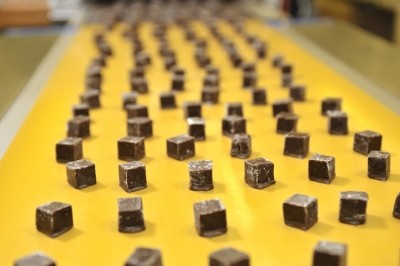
(299, 211)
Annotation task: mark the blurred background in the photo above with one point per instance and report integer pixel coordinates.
(363, 35)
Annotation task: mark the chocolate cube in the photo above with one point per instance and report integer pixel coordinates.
(136, 110)
(296, 144)
(139, 85)
(192, 109)
(35, 259)
(80, 109)
(331, 104)
(337, 123)
(197, 128)
(286, 68)
(200, 173)
(167, 100)
(298, 93)
(178, 83)
(379, 165)
(132, 176)
(282, 105)
(229, 257)
(79, 127)
(286, 122)
(181, 147)
(128, 98)
(93, 83)
(131, 148)
(213, 71)
(233, 124)
(81, 174)
(300, 211)
(249, 68)
(259, 173)
(330, 253)
(321, 168)
(54, 218)
(211, 80)
(396, 208)
(137, 72)
(145, 257)
(140, 127)
(130, 215)
(259, 96)
(353, 207)
(241, 146)
(210, 95)
(277, 61)
(210, 218)
(367, 141)
(234, 108)
(249, 80)
(68, 150)
(286, 80)
(91, 98)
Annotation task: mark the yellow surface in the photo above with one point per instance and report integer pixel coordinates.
(30, 175)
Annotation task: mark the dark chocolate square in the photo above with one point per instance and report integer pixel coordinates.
(132, 176)
(210, 218)
(91, 98)
(259, 173)
(68, 150)
(139, 85)
(337, 123)
(167, 100)
(296, 145)
(229, 257)
(300, 211)
(197, 128)
(140, 127)
(298, 93)
(192, 109)
(249, 80)
(211, 80)
(321, 168)
(379, 165)
(353, 207)
(136, 110)
(234, 108)
(330, 254)
(145, 257)
(233, 124)
(286, 80)
(181, 147)
(286, 122)
(129, 98)
(282, 105)
(210, 95)
(200, 173)
(54, 218)
(178, 83)
(277, 61)
(80, 109)
(130, 215)
(81, 174)
(79, 127)
(35, 259)
(367, 141)
(396, 208)
(331, 104)
(259, 96)
(131, 148)
(241, 146)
